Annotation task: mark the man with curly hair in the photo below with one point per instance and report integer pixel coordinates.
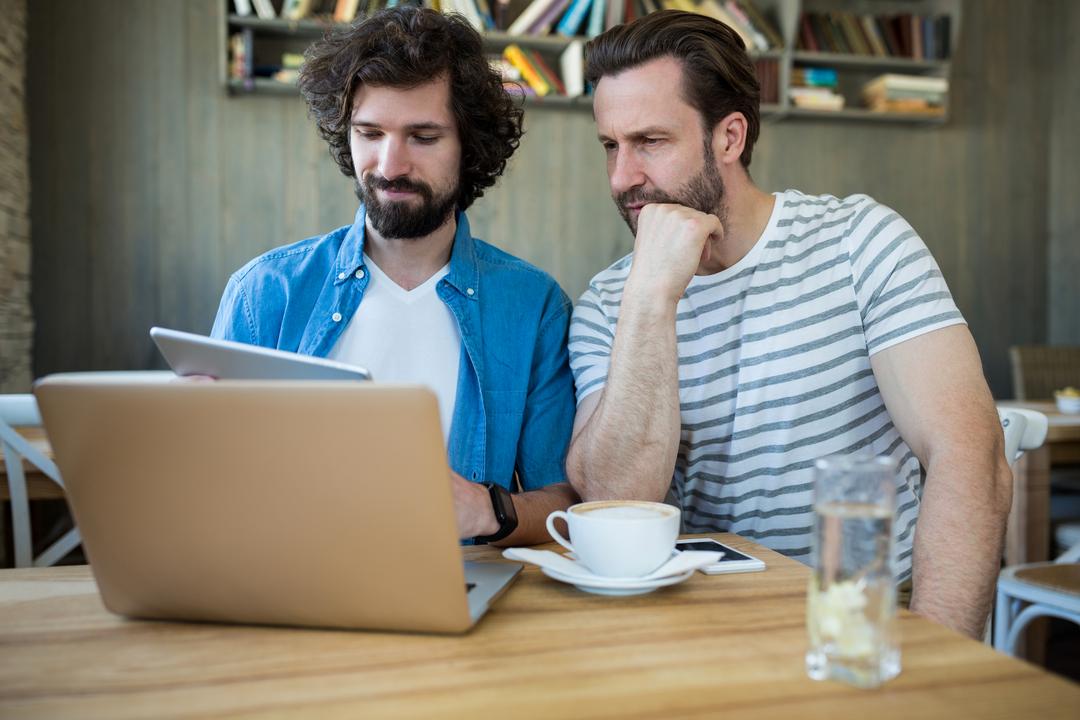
(413, 112)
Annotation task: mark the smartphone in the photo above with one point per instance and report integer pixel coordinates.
(732, 561)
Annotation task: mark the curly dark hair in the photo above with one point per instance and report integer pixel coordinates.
(404, 47)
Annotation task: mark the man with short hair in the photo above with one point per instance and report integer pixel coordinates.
(413, 112)
(749, 334)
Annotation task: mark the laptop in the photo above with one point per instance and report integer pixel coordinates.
(305, 503)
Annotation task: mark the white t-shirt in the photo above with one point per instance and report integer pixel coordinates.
(774, 364)
(407, 336)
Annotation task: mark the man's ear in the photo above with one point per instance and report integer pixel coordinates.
(729, 138)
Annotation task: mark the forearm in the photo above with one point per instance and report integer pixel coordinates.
(533, 508)
(960, 537)
(627, 449)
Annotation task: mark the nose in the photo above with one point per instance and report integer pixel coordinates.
(625, 172)
(394, 159)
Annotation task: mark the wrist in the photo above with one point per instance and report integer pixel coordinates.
(486, 522)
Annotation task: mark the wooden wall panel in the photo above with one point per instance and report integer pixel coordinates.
(1064, 210)
(150, 185)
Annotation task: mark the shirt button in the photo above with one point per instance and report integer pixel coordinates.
(360, 274)
(341, 276)
(470, 291)
(336, 317)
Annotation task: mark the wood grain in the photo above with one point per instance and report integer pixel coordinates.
(708, 647)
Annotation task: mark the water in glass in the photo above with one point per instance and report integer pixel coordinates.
(851, 603)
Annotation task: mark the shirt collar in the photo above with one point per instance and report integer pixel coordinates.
(464, 274)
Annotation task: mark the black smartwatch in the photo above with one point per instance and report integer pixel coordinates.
(505, 514)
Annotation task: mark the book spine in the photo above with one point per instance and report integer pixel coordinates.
(528, 17)
(596, 18)
(543, 25)
(517, 58)
(574, 18)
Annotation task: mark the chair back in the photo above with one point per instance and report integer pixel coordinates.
(1024, 430)
(1039, 370)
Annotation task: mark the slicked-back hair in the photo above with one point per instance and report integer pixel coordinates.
(718, 77)
(405, 47)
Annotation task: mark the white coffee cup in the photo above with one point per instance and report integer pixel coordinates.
(619, 538)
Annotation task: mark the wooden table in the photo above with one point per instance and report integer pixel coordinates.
(1028, 537)
(712, 646)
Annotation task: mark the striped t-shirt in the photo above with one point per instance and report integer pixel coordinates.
(774, 364)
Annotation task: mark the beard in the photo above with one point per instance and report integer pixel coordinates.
(402, 219)
(704, 192)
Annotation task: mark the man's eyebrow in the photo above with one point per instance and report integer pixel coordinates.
(641, 134)
(412, 127)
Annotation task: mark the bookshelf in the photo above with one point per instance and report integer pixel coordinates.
(267, 40)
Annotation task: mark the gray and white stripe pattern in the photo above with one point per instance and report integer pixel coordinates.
(774, 364)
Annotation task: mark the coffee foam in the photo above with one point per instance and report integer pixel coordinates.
(617, 510)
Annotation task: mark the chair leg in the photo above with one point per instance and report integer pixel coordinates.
(1032, 612)
(20, 508)
(1002, 619)
(59, 549)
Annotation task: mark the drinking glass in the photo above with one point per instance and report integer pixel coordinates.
(851, 602)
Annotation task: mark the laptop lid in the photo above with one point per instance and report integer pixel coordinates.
(296, 503)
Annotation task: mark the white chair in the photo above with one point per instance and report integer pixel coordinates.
(22, 411)
(1026, 592)
(1024, 430)
(1032, 590)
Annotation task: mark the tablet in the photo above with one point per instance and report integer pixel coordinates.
(191, 354)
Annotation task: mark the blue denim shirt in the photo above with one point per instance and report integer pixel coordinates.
(515, 396)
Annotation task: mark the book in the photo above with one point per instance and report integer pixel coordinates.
(894, 81)
(529, 16)
(572, 66)
(345, 10)
(264, 9)
(912, 106)
(296, 9)
(822, 77)
(241, 55)
(550, 76)
(242, 7)
(734, 9)
(613, 14)
(517, 58)
(877, 43)
(853, 33)
(502, 12)
(597, 14)
(574, 18)
(807, 39)
(892, 37)
(468, 10)
(486, 16)
(547, 19)
(768, 72)
(916, 37)
(816, 98)
(713, 9)
(763, 24)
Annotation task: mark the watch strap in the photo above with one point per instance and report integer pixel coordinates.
(502, 503)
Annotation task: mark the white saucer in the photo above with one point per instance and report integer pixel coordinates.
(616, 586)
